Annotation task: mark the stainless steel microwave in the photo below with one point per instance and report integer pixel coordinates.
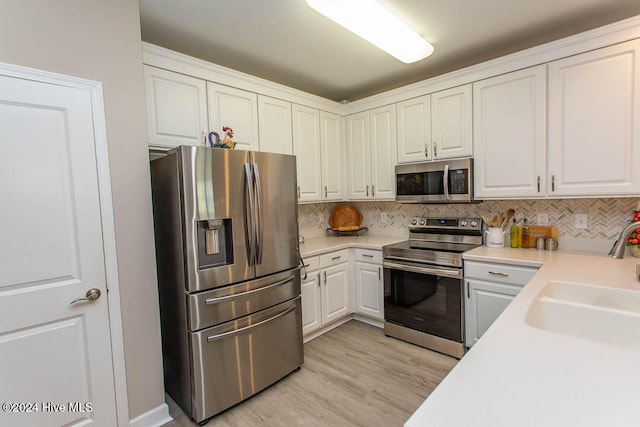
(445, 181)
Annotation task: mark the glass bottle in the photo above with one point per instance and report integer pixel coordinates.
(524, 241)
(515, 234)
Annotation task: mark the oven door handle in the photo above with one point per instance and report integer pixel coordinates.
(452, 273)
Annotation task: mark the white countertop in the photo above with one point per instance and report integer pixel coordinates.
(519, 375)
(320, 245)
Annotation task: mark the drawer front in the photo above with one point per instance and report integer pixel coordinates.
(334, 258)
(501, 273)
(311, 263)
(369, 255)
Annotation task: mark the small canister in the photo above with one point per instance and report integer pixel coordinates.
(551, 244)
(540, 243)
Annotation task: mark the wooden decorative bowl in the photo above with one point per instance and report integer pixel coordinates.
(345, 216)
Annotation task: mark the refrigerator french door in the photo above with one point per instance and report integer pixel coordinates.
(227, 253)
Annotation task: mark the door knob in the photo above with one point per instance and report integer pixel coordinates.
(91, 295)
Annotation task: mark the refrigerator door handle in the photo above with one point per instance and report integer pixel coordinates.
(216, 300)
(216, 337)
(260, 227)
(250, 232)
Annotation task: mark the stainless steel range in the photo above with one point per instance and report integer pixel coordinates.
(423, 285)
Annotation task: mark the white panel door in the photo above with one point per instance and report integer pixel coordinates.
(52, 353)
(311, 305)
(594, 127)
(383, 152)
(359, 156)
(274, 122)
(451, 121)
(484, 303)
(237, 109)
(335, 293)
(176, 108)
(414, 129)
(509, 130)
(333, 151)
(306, 147)
(369, 290)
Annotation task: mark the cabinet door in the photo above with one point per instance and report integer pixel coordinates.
(331, 144)
(451, 121)
(594, 127)
(358, 156)
(369, 290)
(237, 109)
(383, 152)
(335, 292)
(306, 147)
(414, 129)
(274, 125)
(509, 134)
(484, 303)
(176, 108)
(311, 306)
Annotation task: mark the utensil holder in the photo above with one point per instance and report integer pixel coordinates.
(495, 237)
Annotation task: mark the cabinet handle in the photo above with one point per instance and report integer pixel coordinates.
(367, 256)
(468, 295)
(373, 191)
(498, 274)
(367, 191)
(336, 257)
(325, 277)
(379, 273)
(298, 192)
(538, 183)
(318, 279)
(553, 183)
(426, 149)
(204, 137)
(435, 149)
(325, 191)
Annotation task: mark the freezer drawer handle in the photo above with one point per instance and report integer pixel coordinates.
(212, 338)
(210, 301)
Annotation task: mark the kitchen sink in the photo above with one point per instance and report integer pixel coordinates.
(596, 313)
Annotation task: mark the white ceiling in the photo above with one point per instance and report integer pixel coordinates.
(287, 42)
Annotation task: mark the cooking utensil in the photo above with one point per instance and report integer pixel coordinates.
(485, 218)
(494, 221)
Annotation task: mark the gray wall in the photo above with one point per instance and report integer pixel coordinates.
(100, 40)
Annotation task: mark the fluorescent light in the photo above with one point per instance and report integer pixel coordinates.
(371, 21)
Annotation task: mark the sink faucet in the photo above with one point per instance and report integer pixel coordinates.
(617, 251)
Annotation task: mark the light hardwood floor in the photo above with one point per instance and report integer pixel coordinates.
(352, 376)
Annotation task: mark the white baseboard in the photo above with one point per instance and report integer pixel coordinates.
(153, 418)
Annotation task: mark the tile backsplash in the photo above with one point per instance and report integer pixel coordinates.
(605, 217)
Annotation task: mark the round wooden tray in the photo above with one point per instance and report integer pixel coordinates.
(345, 216)
(348, 231)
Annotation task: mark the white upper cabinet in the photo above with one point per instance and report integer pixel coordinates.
(332, 147)
(451, 123)
(414, 129)
(594, 127)
(359, 156)
(237, 109)
(371, 144)
(274, 125)
(383, 152)
(176, 108)
(509, 134)
(306, 147)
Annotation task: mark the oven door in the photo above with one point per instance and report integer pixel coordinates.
(424, 298)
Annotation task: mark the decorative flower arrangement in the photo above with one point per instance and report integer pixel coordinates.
(227, 142)
(634, 238)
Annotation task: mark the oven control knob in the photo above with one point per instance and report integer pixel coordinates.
(474, 223)
(414, 221)
(423, 222)
(463, 223)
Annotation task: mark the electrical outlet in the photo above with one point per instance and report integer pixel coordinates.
(384, 217)
(543, 219)
(580, 220)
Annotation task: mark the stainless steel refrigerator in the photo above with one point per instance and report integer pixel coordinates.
(227, 253)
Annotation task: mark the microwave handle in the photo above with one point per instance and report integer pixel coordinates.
(445, 180)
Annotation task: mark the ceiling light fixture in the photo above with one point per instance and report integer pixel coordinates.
(374, 23)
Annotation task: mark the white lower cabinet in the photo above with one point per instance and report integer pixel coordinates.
(368, 283)
(325, 291)
(489, 288)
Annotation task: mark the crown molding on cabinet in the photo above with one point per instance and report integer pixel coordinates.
(161, 57)
(607, 35)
